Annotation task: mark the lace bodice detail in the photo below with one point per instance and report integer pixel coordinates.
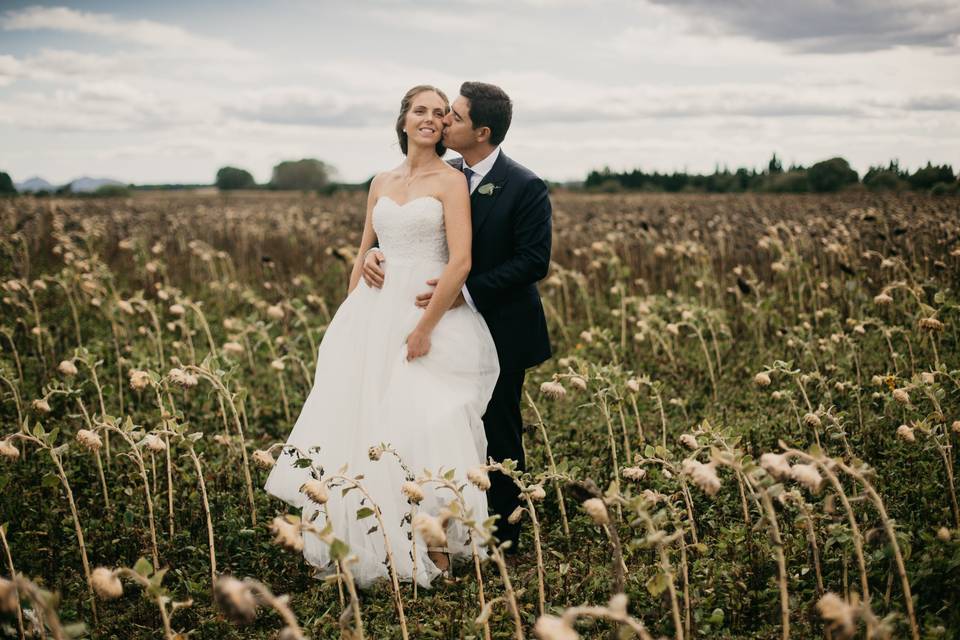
(413, 231)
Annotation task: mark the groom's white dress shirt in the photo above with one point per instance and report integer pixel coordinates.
(480, 170)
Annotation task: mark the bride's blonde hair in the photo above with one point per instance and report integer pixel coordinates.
(405, 105)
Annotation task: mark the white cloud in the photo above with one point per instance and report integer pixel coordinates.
(145, 33)
(647, 85)
(429, 20)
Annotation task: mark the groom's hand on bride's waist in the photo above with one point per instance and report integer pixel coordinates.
(423, 299)
(372, 271)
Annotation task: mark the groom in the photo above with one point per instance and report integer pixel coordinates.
(511, 215)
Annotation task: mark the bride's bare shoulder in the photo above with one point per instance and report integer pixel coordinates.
(452, 178)
(383, 180)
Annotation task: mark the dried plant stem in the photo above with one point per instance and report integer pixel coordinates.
(667, 568)
(636, 412)
(945, 454)
(781, 561)
(808, 523)
(103, 408)
(138, 459)
(79, 531)
(343, 566)
(96, 456)
(16, 360)
(16, 398)
(13, 577)
(553, 466)
(226, 395)
(488, 540)
(611, 439)
(391, 565)
(855, 534)
(535, 525)
(891, 535)
(159, 598)
(707, 357)
(206, 503)
(62, 475)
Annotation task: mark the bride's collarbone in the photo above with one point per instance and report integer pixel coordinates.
(397, 201)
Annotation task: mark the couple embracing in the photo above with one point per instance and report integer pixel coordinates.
(429, 349)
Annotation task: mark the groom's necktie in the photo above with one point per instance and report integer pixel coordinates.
(467, 171)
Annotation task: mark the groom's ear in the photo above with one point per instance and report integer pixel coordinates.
(483, 134)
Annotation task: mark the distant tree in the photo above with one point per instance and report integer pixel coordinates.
(113, 190)
(945, 188)
(926, 177)
(774, 166)
(889, 178)
(306, 174)
(792, 181)
(831, 175)
(233, 178)
(6, 184)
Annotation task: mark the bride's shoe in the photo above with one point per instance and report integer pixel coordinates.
(444, 571)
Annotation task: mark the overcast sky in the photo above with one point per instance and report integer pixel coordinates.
(171, 91)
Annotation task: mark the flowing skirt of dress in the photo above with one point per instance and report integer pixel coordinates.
(429, 410)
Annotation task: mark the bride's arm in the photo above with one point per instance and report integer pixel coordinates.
(369, 235)
(456, 219)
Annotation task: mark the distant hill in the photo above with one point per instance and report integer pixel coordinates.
(77, 185)
(35, 184)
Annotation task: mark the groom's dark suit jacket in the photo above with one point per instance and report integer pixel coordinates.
(510, 254)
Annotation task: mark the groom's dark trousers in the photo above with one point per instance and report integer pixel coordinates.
(504, 428)
(511, 252)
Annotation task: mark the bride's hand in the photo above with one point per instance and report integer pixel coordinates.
(418, 344)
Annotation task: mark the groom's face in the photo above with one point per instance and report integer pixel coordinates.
(458, 131)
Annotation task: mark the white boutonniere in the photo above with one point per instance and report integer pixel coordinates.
(488, 188)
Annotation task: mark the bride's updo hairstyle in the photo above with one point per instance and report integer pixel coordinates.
(405, 105)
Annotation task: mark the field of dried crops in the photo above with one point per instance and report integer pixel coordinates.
(746, 430)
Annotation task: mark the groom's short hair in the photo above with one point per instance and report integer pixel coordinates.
(490, 106)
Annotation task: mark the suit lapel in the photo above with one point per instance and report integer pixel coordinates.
(481, 205)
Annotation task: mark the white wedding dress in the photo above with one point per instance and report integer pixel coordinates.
(365, 393)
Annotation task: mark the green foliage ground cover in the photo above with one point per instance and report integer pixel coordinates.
(663, 310)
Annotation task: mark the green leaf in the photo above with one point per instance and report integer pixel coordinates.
(143, 567)
(449, 474)
(50, 480)
(716, 617)
(364, 512)
(339, 550)
(657, 584)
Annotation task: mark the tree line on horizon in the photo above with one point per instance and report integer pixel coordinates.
(826, 176)
(834, 174)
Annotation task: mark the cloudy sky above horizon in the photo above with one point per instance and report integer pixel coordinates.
(170, 92)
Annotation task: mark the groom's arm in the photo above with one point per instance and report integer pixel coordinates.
(531, 241)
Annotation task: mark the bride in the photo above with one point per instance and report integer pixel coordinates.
(391, 372)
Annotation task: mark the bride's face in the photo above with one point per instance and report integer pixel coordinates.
(424, 121)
